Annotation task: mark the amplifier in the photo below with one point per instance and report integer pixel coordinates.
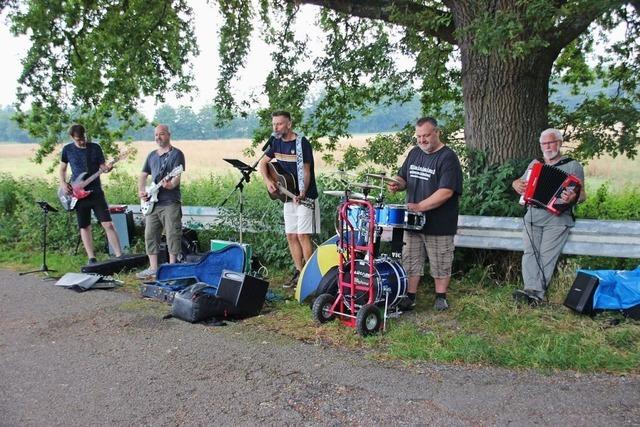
(245, 292)
(580, 296)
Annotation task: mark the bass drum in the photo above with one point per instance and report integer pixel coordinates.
(388, 274)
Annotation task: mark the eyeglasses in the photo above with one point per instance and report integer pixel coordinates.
(555, 141)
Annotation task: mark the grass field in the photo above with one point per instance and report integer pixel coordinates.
(202, 157)
(206, 157)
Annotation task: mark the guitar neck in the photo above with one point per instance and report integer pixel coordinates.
(97, 174)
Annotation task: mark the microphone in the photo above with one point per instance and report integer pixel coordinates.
(270, 141)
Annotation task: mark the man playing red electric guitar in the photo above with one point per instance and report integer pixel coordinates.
(87, 157)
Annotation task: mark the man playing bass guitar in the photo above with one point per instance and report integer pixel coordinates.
(87, 157)
(294, 154)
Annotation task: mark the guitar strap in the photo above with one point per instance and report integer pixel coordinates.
(300, 170)
(299, 162)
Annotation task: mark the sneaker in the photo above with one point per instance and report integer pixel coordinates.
(406, 304)
(92, 261)
(147, 274)
(441, 304)
(293, 282)
(527, 296)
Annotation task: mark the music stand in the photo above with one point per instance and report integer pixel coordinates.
(46, 208)
(245, 170)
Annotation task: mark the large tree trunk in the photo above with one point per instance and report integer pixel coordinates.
(505, 103)
(506, 100)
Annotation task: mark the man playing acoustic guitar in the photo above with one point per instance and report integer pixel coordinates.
(87, 157)
(294, 154)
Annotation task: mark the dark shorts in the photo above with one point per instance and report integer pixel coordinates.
(95, 202)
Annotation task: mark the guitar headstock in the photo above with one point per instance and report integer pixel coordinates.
(175, 171)
(123, 155)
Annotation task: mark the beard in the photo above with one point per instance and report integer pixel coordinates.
(550, 155)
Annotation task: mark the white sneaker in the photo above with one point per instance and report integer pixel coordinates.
(147, 274)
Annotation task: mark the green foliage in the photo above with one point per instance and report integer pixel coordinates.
(603, 204)
(91, 61)
(487, 188)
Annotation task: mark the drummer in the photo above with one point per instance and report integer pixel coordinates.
(432, 177)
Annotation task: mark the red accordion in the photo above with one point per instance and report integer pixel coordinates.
(545, 186)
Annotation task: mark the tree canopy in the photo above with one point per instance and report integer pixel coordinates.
(484, 66)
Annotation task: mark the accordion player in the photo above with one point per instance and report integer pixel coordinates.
(545, 187)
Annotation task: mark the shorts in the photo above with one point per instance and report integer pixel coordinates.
(169, 219)
(439, 249)
(96, 202)
(300, 219)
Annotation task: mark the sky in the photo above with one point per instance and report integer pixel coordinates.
(205, 66)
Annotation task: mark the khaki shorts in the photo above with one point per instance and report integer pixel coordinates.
(300, 219)
(439, 249)
(169, 219)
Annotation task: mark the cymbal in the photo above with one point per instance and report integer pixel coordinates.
(385, 177)
(341, 172)
(361, 196)
(335, 193)
(365, 185)
(339, 193)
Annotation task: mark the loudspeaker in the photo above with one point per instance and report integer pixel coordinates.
(580, 296)
(245, 292)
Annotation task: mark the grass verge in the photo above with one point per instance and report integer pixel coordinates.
(483, 327)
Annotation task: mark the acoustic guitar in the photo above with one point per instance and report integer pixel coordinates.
(286, 184)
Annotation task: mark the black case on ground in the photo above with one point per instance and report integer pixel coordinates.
(116, 265)
(197, 303)
(580, 296)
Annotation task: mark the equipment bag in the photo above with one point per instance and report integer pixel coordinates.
(198, 302)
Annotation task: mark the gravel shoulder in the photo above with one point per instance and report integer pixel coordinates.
(108, 358)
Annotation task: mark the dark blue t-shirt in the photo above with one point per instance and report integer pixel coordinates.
(425, 174)
(285, 153)
(82, 160)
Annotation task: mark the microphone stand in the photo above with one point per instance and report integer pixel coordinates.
(246, 171)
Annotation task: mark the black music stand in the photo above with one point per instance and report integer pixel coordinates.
(46, 208)
(245, 170)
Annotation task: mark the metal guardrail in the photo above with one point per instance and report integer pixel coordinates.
(619, 239)
(192, 216)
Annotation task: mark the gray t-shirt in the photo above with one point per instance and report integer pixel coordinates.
(158, 167)
(542, 217)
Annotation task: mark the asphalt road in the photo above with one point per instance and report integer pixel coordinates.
(108, 358)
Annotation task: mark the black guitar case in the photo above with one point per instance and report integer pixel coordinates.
(116, 265)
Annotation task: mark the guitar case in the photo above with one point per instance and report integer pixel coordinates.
(116, 265)
(171, 278)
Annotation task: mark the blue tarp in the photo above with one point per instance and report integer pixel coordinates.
(617, 289)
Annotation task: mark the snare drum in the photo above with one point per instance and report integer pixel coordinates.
(390, 277)
(414, 220)
(393, 215)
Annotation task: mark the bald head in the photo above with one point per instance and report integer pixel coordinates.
(163, 136)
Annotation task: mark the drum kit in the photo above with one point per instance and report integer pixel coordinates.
(370, 284)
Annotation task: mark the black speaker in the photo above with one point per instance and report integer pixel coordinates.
(245, 292)
(580, 296)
